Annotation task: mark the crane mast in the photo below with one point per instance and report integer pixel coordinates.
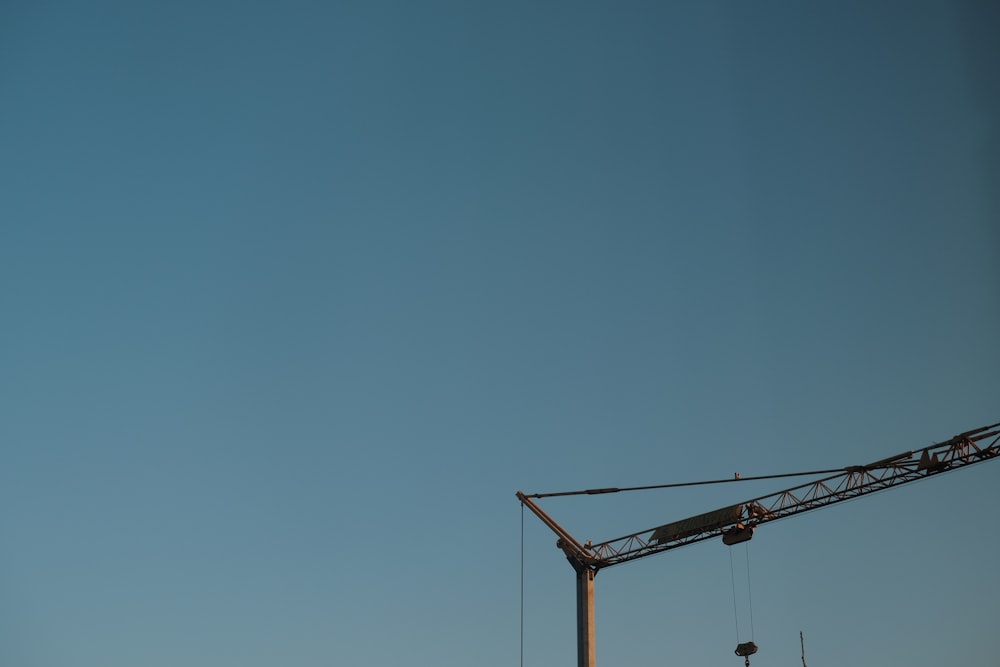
(735, 523)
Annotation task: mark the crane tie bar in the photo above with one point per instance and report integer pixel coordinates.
(736, 478)
(975, 435)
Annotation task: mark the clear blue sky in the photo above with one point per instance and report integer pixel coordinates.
(295, 296)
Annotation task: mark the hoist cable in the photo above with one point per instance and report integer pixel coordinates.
(522, 584)
(732, 579)
(749, 594)
(737, 478)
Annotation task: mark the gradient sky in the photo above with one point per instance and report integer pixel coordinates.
(296, 295)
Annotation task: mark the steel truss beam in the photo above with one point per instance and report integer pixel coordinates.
(962, 450)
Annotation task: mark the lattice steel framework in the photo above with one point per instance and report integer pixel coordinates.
(960, 451)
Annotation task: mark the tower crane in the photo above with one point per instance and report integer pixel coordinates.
(736, 523)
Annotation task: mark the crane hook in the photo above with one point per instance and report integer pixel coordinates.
(746, 650)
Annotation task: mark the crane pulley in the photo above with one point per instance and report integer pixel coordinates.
(736, 523)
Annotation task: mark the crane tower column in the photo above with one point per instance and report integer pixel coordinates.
(585, 640)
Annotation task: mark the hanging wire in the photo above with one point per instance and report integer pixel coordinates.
(749, 594)
(732, 578)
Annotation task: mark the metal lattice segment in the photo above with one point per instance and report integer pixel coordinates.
(854, 481)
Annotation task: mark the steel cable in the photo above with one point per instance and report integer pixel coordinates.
(736, 478)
